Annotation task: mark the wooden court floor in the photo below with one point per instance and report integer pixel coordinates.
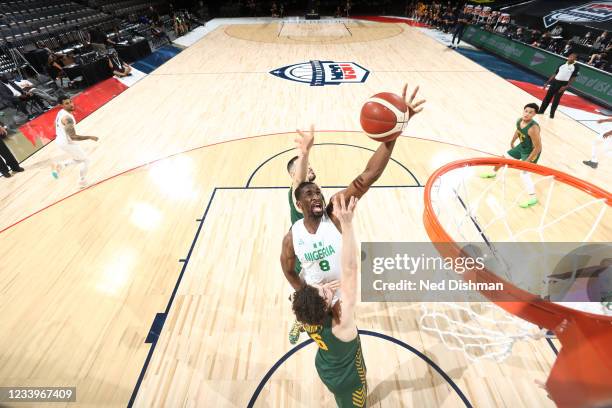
(192, 196)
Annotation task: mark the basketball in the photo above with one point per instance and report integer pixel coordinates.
(383, 116)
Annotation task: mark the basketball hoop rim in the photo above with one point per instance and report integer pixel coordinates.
(438, 234)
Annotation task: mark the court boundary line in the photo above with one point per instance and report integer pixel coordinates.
(418, 184)
(137, 167)
(383, 336)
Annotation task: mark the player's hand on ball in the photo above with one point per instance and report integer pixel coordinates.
(413, 107)
(343, 212)
(305, 140)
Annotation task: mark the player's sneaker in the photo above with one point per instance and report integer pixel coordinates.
(590, 163)
(294, 333)
(490, 174)
(83, 184)
(529, 203)
(57, 169)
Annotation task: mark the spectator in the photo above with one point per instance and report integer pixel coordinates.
(559, 82)
(28, 87)
(568, 48)
(55, 67)
(119, 68)
(180, 26)
(338, 12)
(601, 60)
(153, 15)
(6, 157)
(13, 95)
(519, 35)
(274, 10)
(601, 42)
(556, 32)
(587, 39)
(157, 30)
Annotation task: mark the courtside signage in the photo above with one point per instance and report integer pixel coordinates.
(320, 73)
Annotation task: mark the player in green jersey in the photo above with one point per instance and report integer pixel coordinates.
(339, 361)
(299, 169)
(529, 149)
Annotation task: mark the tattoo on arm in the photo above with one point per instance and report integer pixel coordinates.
(69, 128)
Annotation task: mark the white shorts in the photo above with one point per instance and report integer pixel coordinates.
(74, 151)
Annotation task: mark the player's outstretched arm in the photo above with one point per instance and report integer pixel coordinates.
(343, 211)
(379, 160)
(287, 260)
(303, 143)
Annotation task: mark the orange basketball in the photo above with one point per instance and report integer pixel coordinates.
(383, 116)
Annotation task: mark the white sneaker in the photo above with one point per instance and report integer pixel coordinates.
(57, 169)
(83, 184)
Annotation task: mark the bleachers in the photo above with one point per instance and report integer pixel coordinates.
(124, 8)
(22, 23)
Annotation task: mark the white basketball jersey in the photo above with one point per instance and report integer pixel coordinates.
(60, 134)
(319, 253)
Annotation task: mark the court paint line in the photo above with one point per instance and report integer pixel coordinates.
(394, 340)
(209, 145)
(153, 339)
(418, 184)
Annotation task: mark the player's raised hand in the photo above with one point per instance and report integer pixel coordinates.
(343, 212)
(305, 140)
(414, 107)
(333, 285)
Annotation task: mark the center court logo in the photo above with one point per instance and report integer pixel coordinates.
(320, 73)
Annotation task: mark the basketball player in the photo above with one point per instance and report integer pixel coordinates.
(315, 239)
(529, 149)
(339, 361)
(601, 144)
(65, 138)
(299, 170)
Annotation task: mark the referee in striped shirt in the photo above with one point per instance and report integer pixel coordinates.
(559, 82)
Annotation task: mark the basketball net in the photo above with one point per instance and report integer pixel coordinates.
(485, 330)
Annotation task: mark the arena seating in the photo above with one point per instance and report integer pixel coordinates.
(24, 22)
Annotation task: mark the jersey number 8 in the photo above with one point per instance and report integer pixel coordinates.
(324, 265)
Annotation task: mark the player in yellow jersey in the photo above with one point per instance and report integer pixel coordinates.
(339, 361)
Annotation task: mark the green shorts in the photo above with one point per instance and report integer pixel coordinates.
(520, 154)
(352, 398)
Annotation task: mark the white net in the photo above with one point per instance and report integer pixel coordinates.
(472, 209)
